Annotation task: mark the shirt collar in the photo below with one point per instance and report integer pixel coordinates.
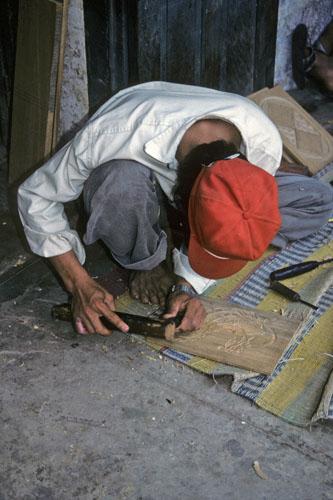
(163, 147)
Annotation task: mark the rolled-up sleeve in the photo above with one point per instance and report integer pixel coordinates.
(183, 269)
(41, 198)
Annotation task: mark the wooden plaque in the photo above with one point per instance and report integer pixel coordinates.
(238, 336)
(304, 139)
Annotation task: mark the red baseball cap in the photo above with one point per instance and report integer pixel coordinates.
(233, 217)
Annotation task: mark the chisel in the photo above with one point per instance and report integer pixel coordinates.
(152, 327)
(290, 294)
(290, 272)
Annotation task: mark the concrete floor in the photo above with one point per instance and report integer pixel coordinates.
(107, 418)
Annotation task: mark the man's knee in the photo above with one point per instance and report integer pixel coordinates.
(127, 177)
(321, 200)
(117, 178)
(129, 171)
(306, 204)
(325, 192)
(123, 208)
(307, 194)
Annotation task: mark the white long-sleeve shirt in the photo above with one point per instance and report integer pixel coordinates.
(144, 123)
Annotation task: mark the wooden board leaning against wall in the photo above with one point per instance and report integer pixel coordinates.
(41, 37)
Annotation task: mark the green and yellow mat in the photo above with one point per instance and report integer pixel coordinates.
(300, 389)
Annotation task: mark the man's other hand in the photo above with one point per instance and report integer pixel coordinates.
(90, 302)
(195, 312)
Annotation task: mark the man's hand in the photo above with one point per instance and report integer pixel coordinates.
(195, 312)
(90, 300)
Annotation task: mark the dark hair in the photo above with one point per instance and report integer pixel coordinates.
(188, 170)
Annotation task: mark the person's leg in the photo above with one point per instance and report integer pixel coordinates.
(323, 65)
(322, 70)
(311, 62)
(122, 200)
(305, 205)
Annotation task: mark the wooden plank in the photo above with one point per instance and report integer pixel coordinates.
(265, 43)
(132, 42)
(304, 139)
(50, 125)
(184, 41)
(36, 28)
(8, 27)
(123, 48)
(37, 72)
(152, 39)
(240, 43)
(214, 53)
(96, 21)
(118, 48)
(238, 336)
(223, 44)
(58, 63)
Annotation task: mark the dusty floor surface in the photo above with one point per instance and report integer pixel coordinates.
(107, 418)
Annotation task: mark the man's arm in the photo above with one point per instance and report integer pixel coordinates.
(41, 199)
(40, 204)
(90, 300)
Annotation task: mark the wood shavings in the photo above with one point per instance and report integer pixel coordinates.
(20, 261)
(279, 311)
(325, 354)
(150, 358)
(258, 470)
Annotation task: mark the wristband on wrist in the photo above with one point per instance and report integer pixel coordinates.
(178, 289)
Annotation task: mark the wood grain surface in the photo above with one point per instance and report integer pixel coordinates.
(38, 71)
(238, 336)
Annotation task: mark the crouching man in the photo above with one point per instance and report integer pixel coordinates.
(214, 157)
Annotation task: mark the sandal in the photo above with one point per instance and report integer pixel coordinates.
(319, 47)
(301, 64)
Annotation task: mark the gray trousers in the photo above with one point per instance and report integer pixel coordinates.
(123, 203)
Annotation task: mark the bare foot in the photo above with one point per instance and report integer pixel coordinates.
(151, 287)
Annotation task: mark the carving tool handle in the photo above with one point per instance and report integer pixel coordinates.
(290, 294)
(296, 269)
(141, 325)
